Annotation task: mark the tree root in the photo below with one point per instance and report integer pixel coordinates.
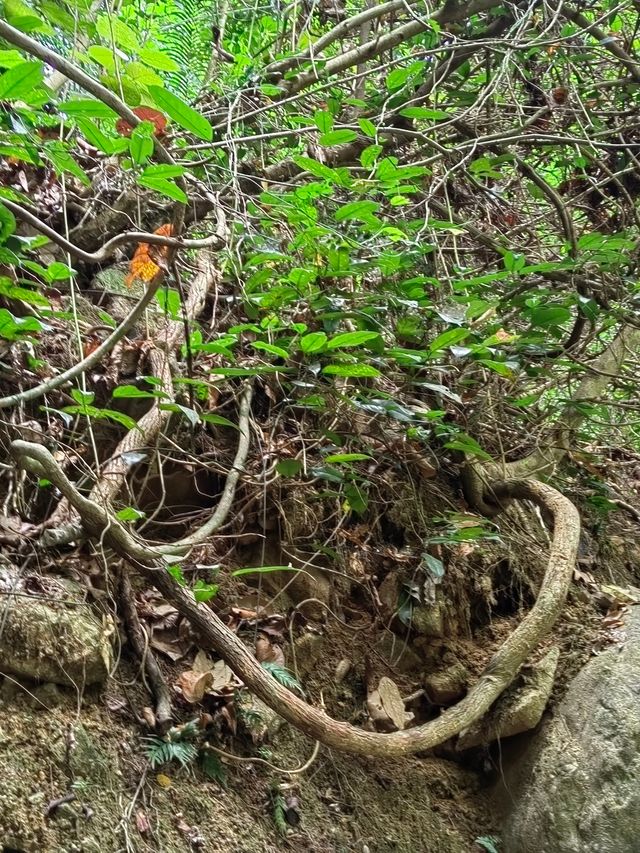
(313, 722)
(140, 643)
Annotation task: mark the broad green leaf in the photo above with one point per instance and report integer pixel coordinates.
(58, 271)
(313, 342)
(203, 591)
(141, 74)
(191, 415)
(129, 513)
(161, 170)
(103, 56)
(62, 161)
(20, 80)
(211, 418)
(164, 187)
(464, 442)
(448, 338)
(11, 328)
(351, 339)
(355, 370)
(9, 58)
(289, 467)
(24, 294)
(270, 348)
(367, 127)
(323, 120)
(157, 59)
(356, 497)
(337, 137)
(347, 457)
(356, 210)
(7, 223)
(141, 143)
(87, 107)
(424, 113)
(94, 135)
(549, 315)
(319, 170)
(130, 391)
(182, 113)
(123, 35)
(370, 155)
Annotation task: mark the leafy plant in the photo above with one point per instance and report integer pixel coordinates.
(282, 675)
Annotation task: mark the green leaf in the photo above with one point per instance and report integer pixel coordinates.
(367, 127)
(337, 137)
(351, 339)
(262, 570)
(283, 675)
(181, 113)
(11, 328)
(369, 156)
(270, 348)
(356, 210)
(62, 161)
(318, 170)
(464, 442)
(363, 370)
(289, 467)
(20, 80)
(203, 591)
(424, 113)
(188, 413)
(87, 107)
(141, 143)
(58, 271)
(356, 498)
(313, 342)
(157, 59)
(94, 135)
(7, 223)
(130, 391)
(123, 35)
(211, 418)
(448, 338)
(161, 170)
(164, 187)
(13, 291)
(103, 56)
(323, 120)
(347, 457)
(549, 315)
(129, 513)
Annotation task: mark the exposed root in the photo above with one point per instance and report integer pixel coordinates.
(314, 722)
(140, 643)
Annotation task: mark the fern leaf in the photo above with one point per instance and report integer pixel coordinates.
(286, 678)
(212, 767)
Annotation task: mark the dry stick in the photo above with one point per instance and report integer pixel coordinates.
(148, 660)
(315, 723)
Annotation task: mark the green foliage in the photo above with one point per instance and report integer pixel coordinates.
(488, 843)
(286, 678)
(160, 751)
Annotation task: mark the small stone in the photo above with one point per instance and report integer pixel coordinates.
(448, 685)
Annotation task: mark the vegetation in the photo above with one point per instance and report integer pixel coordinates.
(256, 260)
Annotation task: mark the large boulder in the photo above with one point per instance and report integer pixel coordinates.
(578, 786)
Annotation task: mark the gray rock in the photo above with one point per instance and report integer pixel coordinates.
(578, 787)
(50, 634)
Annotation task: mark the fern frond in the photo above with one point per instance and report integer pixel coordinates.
(212, 767)
(279, 812)
(286, 678)
(160, 751)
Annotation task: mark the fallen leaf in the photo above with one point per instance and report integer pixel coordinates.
(145, 263)
(194, 684)
(163, 781)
